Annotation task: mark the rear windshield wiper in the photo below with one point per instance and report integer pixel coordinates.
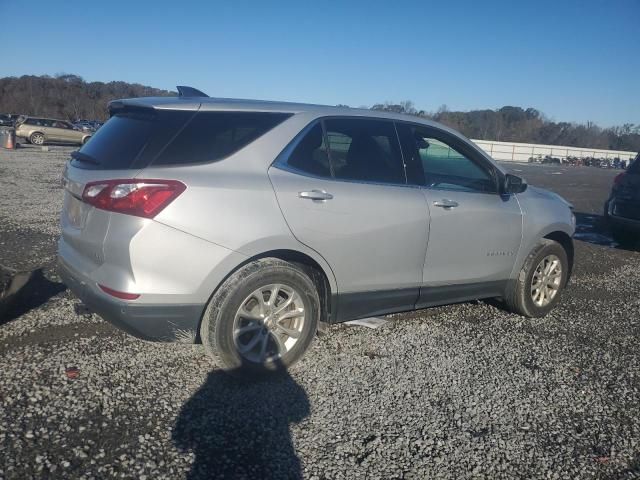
(83, 157)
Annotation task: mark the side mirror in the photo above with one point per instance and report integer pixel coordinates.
(513, 184)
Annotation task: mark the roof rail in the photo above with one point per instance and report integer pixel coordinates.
(190, 92)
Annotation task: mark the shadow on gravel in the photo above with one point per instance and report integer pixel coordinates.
(593, 229)
(36, 292)
(240, 428)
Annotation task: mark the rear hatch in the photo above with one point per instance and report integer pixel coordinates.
(133, 139)
(626, 192)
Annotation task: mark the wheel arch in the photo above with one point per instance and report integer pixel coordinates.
(320, 274)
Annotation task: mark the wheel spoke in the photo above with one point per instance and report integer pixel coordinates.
(273, 297)
(263, 347)
(247, 347)
(244, 313)
(260, 298)
(282, 348)
(247, 328)
(292, 298)
(290, 332)
(299, 312)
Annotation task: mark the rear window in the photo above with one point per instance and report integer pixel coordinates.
(138, 139)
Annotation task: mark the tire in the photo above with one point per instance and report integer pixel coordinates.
(36, 138)
(223, 318)
(522, 298)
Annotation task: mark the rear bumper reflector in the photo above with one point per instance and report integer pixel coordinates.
(117, 294)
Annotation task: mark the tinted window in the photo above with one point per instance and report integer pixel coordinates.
(211, 136)
(365, 150)
(441, 163)
(310, 155)
(119, 142)
(136, 139)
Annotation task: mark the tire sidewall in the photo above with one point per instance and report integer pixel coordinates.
(550, 248)
(217, 331)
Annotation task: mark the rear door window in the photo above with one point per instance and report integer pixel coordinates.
(365, 150)
(310, 155)
(135, 139)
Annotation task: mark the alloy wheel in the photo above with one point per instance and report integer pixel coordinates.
(269, 323)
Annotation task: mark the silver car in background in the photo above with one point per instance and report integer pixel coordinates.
(244, 224)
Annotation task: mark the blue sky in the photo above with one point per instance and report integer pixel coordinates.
(573, 60)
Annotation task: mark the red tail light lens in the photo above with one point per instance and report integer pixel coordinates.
(618, 179)
(142, 198)
(117, 294)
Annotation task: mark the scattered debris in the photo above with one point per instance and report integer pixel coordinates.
(72, 372)
(371, 322)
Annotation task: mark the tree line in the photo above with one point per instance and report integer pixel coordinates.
(516, 124)
(69, 97)
(66, 97)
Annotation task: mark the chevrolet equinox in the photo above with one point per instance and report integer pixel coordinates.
(245, 224)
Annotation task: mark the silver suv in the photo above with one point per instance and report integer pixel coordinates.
(245, 224)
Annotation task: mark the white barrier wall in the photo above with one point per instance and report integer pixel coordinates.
(520, 152)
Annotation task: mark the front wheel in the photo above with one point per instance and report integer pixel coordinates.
(540, 282)
(262, 318)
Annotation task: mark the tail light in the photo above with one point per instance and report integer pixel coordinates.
(142, 198)
(618, 178)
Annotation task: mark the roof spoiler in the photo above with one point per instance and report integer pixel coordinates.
(190, 92)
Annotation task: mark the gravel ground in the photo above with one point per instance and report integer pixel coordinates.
(455, 392)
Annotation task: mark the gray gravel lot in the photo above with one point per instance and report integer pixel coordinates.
(456, 392)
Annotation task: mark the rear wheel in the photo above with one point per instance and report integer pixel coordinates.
(540, 282)
(262, 318)
(37, 138)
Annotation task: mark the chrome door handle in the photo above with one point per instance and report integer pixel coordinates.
(316, 195)
(444, 203)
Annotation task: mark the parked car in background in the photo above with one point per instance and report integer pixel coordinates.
(246, 223)
(622, 209)
(87, 125)
(39, 131)
(7, 120)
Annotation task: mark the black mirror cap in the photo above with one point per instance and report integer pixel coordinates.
(513, 184)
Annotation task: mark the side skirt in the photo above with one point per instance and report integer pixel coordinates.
(351, 306)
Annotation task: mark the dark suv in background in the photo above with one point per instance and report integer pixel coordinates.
(623, 206)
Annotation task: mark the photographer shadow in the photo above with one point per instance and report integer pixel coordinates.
(239, 428)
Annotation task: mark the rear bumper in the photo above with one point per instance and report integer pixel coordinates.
(155, 322)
